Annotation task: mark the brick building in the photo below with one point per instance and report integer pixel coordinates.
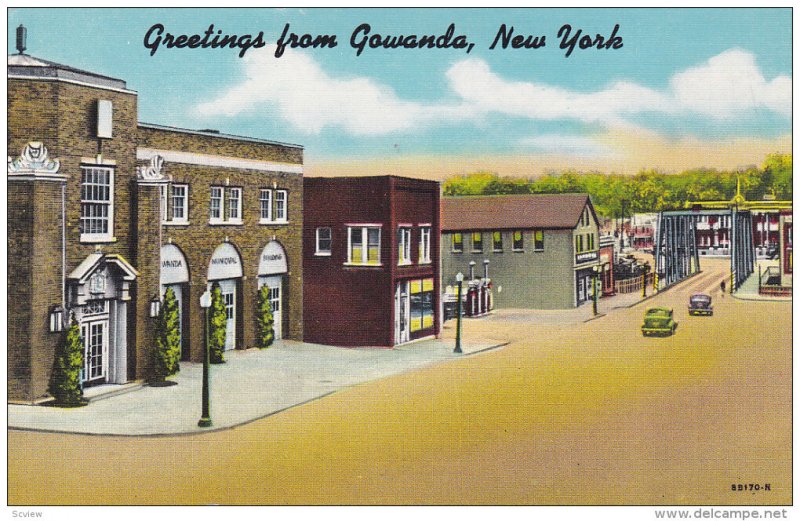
(371, 260)
(538, 251)
(106, 212)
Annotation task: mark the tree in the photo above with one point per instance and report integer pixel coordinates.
(65, 381)
(219, 326)
(168, 338)
(264, 320)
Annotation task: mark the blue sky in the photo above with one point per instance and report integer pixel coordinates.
(711, 85)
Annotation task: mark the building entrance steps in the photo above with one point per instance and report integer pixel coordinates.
(252, 384)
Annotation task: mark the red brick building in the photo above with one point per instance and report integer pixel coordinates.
(370, 260)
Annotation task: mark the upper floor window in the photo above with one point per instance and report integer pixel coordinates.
(538, 240)
(274, 206)
(590, 241)
(404, 246)
(518, 241)
(425, 244)
(364, 245)
(578, 243)
(324, 240)
(225, 205)
(477, 242)
(585, 217)
(497, 241)
(175, 204)
(97, 203)
(458, 242)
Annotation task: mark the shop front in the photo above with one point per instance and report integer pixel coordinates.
(174, 275)
(225, 269)
(272, 272)
(414, 310)
(99, 292)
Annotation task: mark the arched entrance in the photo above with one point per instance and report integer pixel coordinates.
(272, 269)
(225, 268)
(175, 275)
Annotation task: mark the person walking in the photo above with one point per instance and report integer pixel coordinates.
(722, 287)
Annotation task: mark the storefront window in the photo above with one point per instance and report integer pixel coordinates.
(421, 304)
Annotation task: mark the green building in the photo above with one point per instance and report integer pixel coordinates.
(538, 251)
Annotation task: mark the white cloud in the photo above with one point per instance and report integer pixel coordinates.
(310, 99)
(579, 146)
(728, 85)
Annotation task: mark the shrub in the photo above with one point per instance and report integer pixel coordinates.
(219, 323)
(65, 381)
(168, 338)
(264, 320)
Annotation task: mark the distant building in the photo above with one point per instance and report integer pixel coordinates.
(538, 251)
(371, 260)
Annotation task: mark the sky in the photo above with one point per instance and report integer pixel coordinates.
(686, 88)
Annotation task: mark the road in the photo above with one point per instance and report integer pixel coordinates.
(588, 414)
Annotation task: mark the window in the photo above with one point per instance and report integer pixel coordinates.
(421, 304)
(280, 205)
(175, 204)
(477, 242)
(323, 241)
(497, 241)
(404, 246)
(274, 206)
(458, 243)
(590, 241)
(364, 245)
(265, 201)
(226, 205)
(518, 243)
(578, 243)
(97, 203)
(538, 240)
(234, 204)
(425, 244)
(216, 203)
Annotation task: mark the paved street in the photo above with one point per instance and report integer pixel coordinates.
(579, 413)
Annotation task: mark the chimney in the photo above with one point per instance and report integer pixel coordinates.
(22, 37)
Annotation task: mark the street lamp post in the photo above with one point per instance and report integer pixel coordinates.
(460, 280)
(205, 419)
(645, 271)
(595, 271)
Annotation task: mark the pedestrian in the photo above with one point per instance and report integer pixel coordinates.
(722, 287)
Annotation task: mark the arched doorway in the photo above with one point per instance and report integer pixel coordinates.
(225, 268)
(175, 275)
(272, 269)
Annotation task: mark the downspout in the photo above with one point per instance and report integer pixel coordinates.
(64, 247)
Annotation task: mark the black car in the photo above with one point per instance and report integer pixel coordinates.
(700, 304)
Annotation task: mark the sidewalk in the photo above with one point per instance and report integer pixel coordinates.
(252, 384)
(749, 288)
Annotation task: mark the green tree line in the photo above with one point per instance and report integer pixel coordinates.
(646, 191)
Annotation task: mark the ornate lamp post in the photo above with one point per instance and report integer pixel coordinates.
(205, 419)
(645, 271)
(460, 280)
(595, 272)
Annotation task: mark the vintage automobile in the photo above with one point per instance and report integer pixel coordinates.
(700, 304)
(658, 321)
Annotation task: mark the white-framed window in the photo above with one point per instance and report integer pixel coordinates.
(175, 204)
(517, 241)
(226, 205)
(216, 203)
(274, 206)
(97, 203)
(234, 206)
(324, 240)
(281, 197)
(404, 246)
(364, 245)
(424, 244)
(265, 202)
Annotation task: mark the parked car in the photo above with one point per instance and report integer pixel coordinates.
(658, 321)
(700, 304)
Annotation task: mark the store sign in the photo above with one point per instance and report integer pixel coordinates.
(272, 260)
(586, 256)
(174, 269)
(225, 263)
